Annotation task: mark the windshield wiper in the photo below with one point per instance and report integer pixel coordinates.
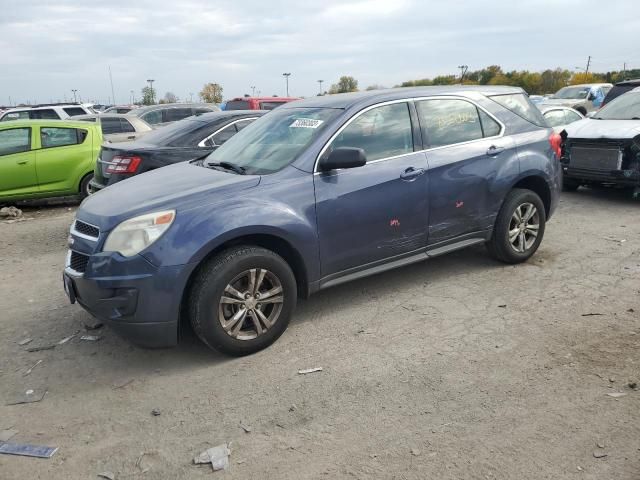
(229, 166)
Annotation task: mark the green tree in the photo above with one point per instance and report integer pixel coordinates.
(344, 85)
(211, 93)
(170, 97)
(148, 96)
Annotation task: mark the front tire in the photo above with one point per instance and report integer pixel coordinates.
(242, 300)
(519, 227)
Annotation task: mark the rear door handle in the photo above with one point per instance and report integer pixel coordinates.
(22, 162)
(411, 174)
(494, 151)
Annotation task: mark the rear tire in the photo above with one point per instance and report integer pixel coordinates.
(84, 186)
(242, 300)
(519, 227)
(569, 184)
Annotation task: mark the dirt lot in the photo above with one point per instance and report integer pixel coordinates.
(457, 368)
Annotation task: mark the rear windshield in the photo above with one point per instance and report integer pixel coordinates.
(171, 133)
(572, 93)
(237, 105)
(270, 105)
(520, 104)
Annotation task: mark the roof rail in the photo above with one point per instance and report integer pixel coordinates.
(47, 105)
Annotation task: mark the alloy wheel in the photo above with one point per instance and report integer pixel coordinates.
(524, 227)
(251, 304)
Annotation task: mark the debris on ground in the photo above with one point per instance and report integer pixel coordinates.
(40, 348)
(579, 468)
(6, 435)
(592, 314)
(27, 450)
(246, 428)
(600, 445)
(632, 385)
(156, 412)
(32, 367)
(217, 456)
(25, 341)
(502, 306)
(90, 338)
(293, 408)
(29, 396)
(309, 370)
(618, 240)
(415, 452)
(616, 394)
(122, 383)
(66, 339)
(107, 475)
(10, 212)
(631, 310)
(598, 454)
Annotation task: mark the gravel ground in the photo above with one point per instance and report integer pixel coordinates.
(456, 368)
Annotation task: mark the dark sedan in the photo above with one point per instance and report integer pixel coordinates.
(181, 141)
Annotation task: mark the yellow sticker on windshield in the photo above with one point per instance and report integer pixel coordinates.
(306, 123)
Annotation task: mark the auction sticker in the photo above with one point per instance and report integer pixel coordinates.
(306, 123)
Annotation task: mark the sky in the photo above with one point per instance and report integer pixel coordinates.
(51, 47)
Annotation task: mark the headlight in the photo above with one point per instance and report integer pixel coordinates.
(134, 235)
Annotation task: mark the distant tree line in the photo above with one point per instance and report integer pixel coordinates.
(534, 83)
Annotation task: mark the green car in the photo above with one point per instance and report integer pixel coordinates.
(47, 158)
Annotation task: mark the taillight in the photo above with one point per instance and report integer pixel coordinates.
(556, 144)
(124, 164)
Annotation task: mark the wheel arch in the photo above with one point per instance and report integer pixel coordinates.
(539, 185)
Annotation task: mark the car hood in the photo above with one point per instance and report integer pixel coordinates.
(181, 187)
(612, 129)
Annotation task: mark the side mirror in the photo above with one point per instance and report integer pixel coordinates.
(343, 157)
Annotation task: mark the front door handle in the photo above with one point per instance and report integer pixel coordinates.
(22, 162)
(411, 174)
(494, 151)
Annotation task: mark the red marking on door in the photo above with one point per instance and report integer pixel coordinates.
(394, 223)
(459, 203)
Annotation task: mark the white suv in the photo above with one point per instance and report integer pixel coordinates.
(58, 111)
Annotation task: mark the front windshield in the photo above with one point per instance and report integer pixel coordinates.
(625, 107)
(572, 93)
(274, 141)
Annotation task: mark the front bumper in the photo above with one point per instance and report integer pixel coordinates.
(138, 300)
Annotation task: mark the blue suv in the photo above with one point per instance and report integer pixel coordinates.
(316, 193)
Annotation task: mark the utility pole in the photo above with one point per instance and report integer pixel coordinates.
(74, 90)
(191, 95)
(253, 91)
(286, 77)
(151, 80)
(320, 82)
(586, 71)
(624, 71)
(463, 71)
(113, 95)
(133, 97)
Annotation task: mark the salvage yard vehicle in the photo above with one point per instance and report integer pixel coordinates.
(621, 88)
(604, 149)
(165, 113)
(315, 193)
(559, 117)
(48, 111)
(118, 127)
(583, 98)
(182, 141)
(257, 103)
(47, 158)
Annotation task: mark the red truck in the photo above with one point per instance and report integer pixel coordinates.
(257, 103)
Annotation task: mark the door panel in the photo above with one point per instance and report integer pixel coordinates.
(17, 162)
(370, 213)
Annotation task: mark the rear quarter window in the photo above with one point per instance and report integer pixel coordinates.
(520, 104)
(73, 111)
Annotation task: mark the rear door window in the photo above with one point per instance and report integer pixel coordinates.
(125, 126)
(15, 140)
(59, 137)
(45, 114)
(222, 136)
(73, 111)
(243, 123)
(450, 121)
(110, 125)
(381, 132)
(520, 104)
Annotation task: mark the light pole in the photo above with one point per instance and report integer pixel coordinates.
(191, 95)
(74, 90)
(320, 82)
(286, 77)
(151, 80)
(253, 91)
(133, 98)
